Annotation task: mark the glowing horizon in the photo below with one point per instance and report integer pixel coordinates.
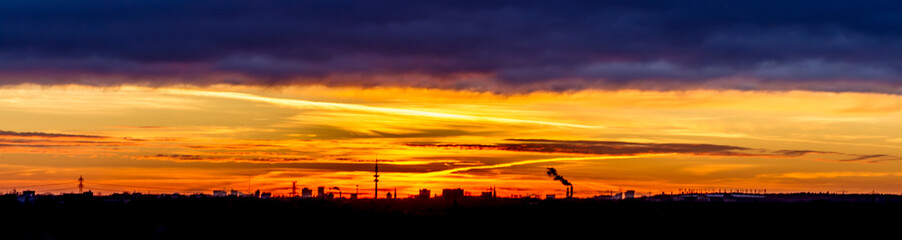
(189, 139)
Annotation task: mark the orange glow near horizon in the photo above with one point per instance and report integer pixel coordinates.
(191, 139)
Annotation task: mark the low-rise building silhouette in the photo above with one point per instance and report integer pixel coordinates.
(424, 193)
(453, 194)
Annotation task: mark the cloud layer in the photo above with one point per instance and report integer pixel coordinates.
(617, 148)
(495, 45)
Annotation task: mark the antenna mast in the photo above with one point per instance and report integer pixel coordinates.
(81, 185)
(376, 180)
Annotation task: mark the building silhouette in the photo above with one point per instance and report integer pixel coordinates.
(306, 193)
(453, 194)
(486, 195)
(219, 193)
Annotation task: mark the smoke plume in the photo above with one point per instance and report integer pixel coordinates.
(553, 173)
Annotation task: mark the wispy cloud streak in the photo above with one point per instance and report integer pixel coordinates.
(364, 108)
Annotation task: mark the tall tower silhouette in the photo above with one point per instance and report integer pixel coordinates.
(81, 184)
(376, 180)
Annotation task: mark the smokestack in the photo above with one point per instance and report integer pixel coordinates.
(553, 173)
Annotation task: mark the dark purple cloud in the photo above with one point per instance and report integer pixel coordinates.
(45, 135)
(525, 45)
(10, 139)
(618, 148)
(601, 147)
(872, 158)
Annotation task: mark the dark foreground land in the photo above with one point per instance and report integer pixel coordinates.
(232, 218)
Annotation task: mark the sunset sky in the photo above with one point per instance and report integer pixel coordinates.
(652, 96)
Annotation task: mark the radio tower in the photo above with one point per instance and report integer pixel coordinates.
(376, 180)
(81, 184)
(294, 189)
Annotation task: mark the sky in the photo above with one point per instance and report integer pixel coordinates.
(652, 96)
